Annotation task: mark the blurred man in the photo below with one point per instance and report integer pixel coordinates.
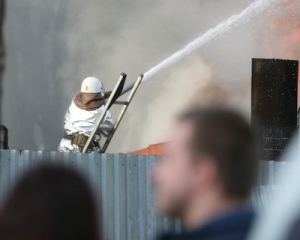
(82, 115)
(207, 174)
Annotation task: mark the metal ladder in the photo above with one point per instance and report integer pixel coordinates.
(116, 93)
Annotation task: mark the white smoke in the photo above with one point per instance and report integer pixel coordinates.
(53, 44)
(176, 92)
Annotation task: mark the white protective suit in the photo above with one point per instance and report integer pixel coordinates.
(80, 121)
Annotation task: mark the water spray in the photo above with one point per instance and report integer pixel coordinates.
(257, 6)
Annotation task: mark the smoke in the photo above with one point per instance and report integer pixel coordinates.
(219, 72)
(176, 91)
(53, 44)
(145, 38)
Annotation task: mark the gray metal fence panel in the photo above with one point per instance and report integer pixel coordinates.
(121, 183)
(124, 185)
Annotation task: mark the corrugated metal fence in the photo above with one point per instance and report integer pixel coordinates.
(122, 181)
(124, 184)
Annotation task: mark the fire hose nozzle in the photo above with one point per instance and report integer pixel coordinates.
(131, 85)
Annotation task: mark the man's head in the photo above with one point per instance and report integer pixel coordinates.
(211, 152)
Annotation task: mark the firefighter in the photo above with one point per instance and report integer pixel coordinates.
(82, 115)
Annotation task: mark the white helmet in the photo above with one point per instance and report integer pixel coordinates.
(92, 85)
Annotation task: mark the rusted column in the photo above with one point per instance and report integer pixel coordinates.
(274, 103)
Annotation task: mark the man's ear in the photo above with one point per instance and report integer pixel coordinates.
(207, 172)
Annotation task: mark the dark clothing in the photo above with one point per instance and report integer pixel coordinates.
(232, 226)
(294, 231)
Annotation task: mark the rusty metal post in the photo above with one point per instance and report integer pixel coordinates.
(274, 103)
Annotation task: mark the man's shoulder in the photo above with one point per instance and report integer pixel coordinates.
(232, 226)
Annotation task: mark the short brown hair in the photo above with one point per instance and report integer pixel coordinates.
(228, 139)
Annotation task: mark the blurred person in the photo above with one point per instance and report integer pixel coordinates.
(207, 173)
(50, 203)
(82, 115)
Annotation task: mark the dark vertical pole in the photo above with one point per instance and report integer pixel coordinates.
(3, 129)
(2, 51)
(274, 103)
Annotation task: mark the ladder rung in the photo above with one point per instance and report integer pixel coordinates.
(106, 127)
(121, 103)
